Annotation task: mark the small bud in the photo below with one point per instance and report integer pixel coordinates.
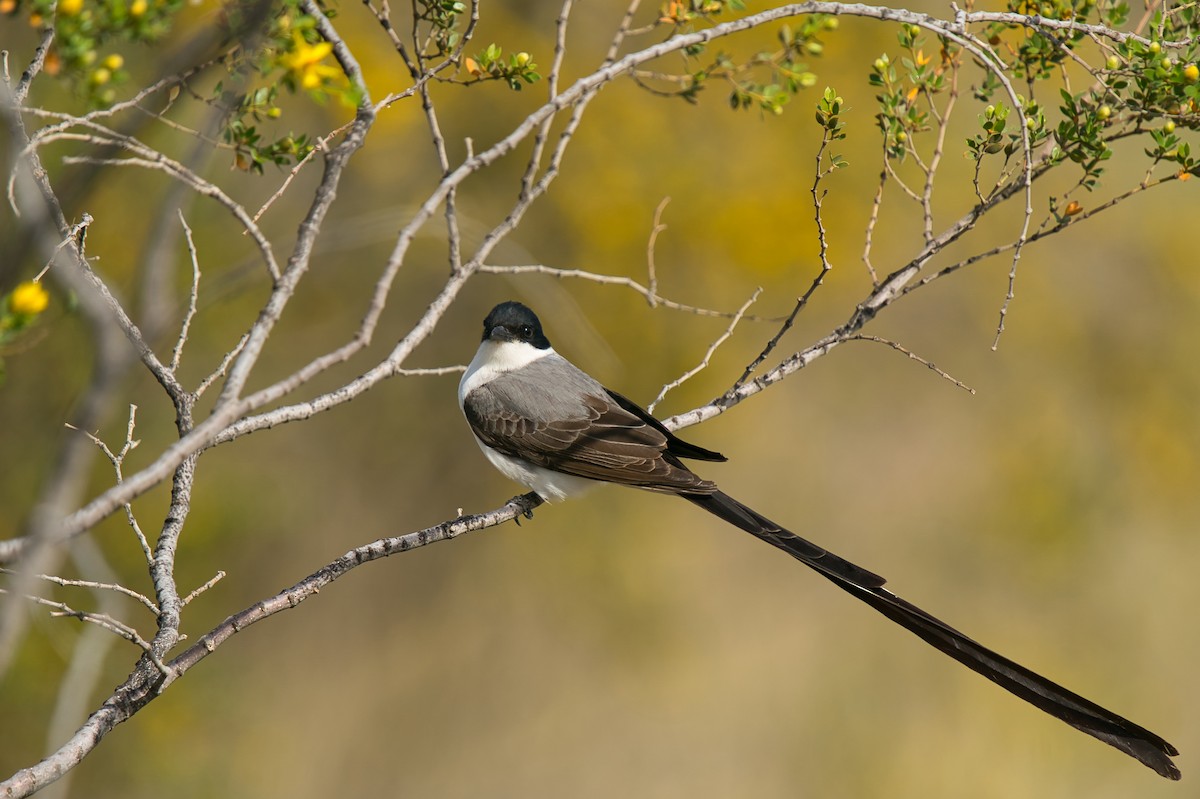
(523, 59)
(28, 299)
(114, 62)
(138, 7)
(1104, 112)
(1169, 127)
(1191, 73)
(101, 76)
(1112, 62)
(1155, 48)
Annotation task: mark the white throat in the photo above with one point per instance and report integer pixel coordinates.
(494, 358)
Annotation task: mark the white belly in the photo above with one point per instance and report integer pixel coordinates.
(550, 486)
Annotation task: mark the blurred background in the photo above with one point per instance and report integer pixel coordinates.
(625, 644)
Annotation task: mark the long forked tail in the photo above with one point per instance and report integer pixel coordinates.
(1080, 713)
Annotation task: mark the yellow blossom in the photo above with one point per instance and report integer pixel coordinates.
(69, 8)
(137, 8)
(304, 62)
(114, 62)
(28, 299)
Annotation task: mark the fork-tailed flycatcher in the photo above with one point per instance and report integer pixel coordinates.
(548, 425)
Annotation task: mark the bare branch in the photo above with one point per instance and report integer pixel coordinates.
(177, 353)
(143, 686)
(651, 269)
(216, 578)
(78, 231)
(35, 67)
(928, 364)
(653, 298)
(92, 584)
(712, 348)
(99, 619)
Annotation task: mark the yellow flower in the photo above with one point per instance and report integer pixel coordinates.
(137, 8)
(69, 8)
(304, 62)
(28, 299)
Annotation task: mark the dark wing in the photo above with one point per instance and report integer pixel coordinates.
(594, 437)
(675, 445)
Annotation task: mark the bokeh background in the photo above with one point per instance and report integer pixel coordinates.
(625, 644)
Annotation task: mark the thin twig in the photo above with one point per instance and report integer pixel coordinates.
(609, 280)
(873, 220)
(222, 367)
(651, 269)
(92, 584)
(117, 459)
(933, 367)
(216, 578)
(190, 314)
(708, 354)
(321, 146)
(99, 619)
(74, 237)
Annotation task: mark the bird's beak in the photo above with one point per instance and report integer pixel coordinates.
(500, 333)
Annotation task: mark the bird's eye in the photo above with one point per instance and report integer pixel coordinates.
(526, 331)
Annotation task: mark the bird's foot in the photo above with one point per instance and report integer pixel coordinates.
(525, 504)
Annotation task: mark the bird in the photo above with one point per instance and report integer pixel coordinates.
(548, 425)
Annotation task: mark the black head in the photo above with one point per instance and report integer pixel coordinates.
(512, 321)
